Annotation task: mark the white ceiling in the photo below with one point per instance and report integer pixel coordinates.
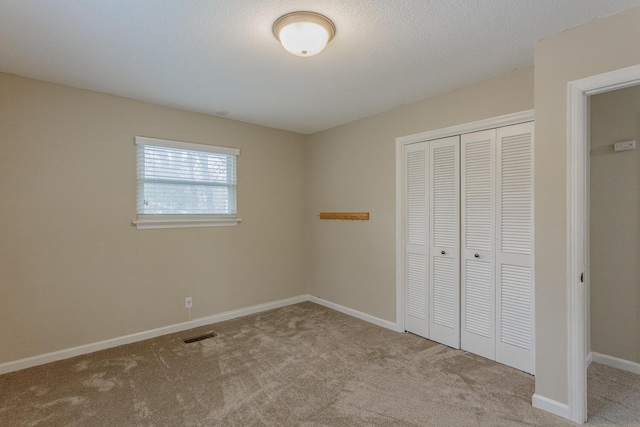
(217, 56)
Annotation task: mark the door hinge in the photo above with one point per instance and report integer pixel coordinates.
(581, 277)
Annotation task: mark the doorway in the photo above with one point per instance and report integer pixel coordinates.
(578, 208)
(613, 291)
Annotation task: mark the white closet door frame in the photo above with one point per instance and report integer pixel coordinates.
(401, 143)
(416, 232)
(478, 323)
(515, 292)
(444, 232)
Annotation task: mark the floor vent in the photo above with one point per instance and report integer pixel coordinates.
(199, 338)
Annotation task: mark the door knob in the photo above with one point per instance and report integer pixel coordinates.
(443, 252)
(477, 255)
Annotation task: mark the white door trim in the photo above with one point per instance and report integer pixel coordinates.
(577, 223)
(401, 142)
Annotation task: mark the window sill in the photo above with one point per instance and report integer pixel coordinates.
(147, 224)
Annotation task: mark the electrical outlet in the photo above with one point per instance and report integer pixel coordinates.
(188, 302)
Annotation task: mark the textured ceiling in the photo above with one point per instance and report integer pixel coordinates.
(217, 56)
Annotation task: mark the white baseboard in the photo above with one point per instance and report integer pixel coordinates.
(589, 358)
(41, 359)
(145, 335)
(550, 405)
(355, 313)
(614, 362)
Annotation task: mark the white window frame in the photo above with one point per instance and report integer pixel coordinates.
(151, 221)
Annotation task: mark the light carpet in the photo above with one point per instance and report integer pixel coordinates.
(302, 365)
(613, 396)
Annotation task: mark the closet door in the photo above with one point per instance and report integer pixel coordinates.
(444, 174)
(416, 239)
(478, 243)
(514, 256)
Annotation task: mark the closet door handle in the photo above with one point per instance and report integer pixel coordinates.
(477, 255)
(443, 252)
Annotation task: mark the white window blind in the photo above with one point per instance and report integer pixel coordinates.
(185, 185)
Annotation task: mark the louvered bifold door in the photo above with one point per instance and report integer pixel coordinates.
(478, 243)
(416, 239)
(514, 252)
(444, 174)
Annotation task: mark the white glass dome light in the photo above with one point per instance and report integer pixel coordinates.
(304, 33)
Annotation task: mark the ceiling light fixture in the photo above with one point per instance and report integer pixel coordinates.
(304, 33)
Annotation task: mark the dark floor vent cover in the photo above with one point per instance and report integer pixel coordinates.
(199, 338)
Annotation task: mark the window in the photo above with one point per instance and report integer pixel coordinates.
(185, 185)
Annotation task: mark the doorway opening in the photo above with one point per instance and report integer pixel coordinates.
(613, 286)
(578, 210)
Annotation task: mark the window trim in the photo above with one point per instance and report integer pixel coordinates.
(144, 140)
(147, 222)
(154, 221)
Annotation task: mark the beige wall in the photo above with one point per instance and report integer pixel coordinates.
(352, 168)
(73, 270)
(614, 227)
(600, 46)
